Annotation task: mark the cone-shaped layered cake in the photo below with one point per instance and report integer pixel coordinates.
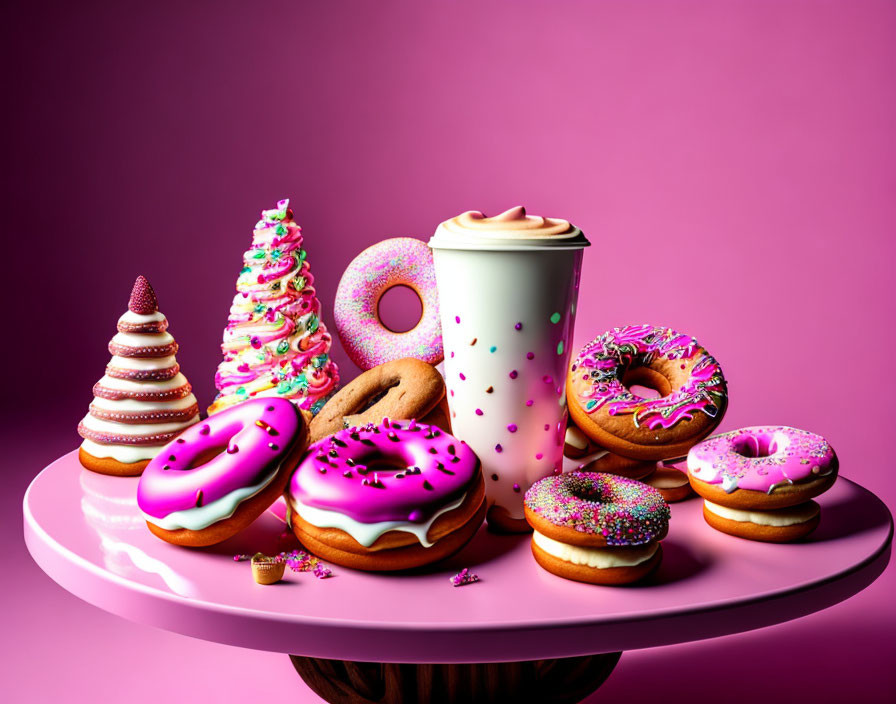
(143, 401)
(275, 343)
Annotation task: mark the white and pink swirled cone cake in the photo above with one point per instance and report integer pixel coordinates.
(275, 344)
(143, 401)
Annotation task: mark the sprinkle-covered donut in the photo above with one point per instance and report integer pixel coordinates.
(401, 261)
(402, 388)
(597, 528)
(693, 392)
(390, 496)
(220, 475)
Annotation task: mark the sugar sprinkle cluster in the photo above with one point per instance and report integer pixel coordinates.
(463, 577)
(297, 561)
(623, 511)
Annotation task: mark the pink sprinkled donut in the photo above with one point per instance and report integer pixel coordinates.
(758, 483)
(401, 261)
(762, 467)
(220, 475)
(389, 496)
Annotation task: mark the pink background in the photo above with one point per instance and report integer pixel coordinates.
(733, 163)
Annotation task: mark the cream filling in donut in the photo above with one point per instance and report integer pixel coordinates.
(576, 438)
(367, 533)
(140, 318)
(221, 509)
(126, 454)
(133, 406)
(131, 339)
(667, 481)
(115, 384)
(135, 429)
(143, 363)
(779, 517)
(597, 558)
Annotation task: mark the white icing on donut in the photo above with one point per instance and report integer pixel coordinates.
(367, 533)
(202, 517)
(778, 517)
(597, 558)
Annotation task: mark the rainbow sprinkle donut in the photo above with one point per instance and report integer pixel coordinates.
(401, 261)
(596, 528)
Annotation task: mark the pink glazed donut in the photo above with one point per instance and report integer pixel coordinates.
(218, 476)
(389, 496)
(762, 467)
(402, 261)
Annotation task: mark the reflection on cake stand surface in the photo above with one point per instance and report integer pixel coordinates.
(519, 633)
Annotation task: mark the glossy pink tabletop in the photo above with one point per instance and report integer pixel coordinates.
(85, 532)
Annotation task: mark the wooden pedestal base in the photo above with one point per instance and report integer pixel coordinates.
(561, 681)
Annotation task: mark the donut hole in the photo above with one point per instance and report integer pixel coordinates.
(587, 493)
(399, 309)
(374, 399)
(378, 462)
(756, 446)
(207, 456)
(645, 382)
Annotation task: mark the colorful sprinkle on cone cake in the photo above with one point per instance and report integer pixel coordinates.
(143, 401)
(275, 343)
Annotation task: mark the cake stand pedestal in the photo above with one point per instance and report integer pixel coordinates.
(518, 632)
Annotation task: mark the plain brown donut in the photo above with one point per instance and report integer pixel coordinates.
(403, 389)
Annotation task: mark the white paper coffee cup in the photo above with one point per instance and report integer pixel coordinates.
(508, 288)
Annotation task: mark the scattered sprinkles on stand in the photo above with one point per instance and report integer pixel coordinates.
(297, 561)
(463, 577)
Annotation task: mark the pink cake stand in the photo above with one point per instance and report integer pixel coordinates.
(520, 633)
